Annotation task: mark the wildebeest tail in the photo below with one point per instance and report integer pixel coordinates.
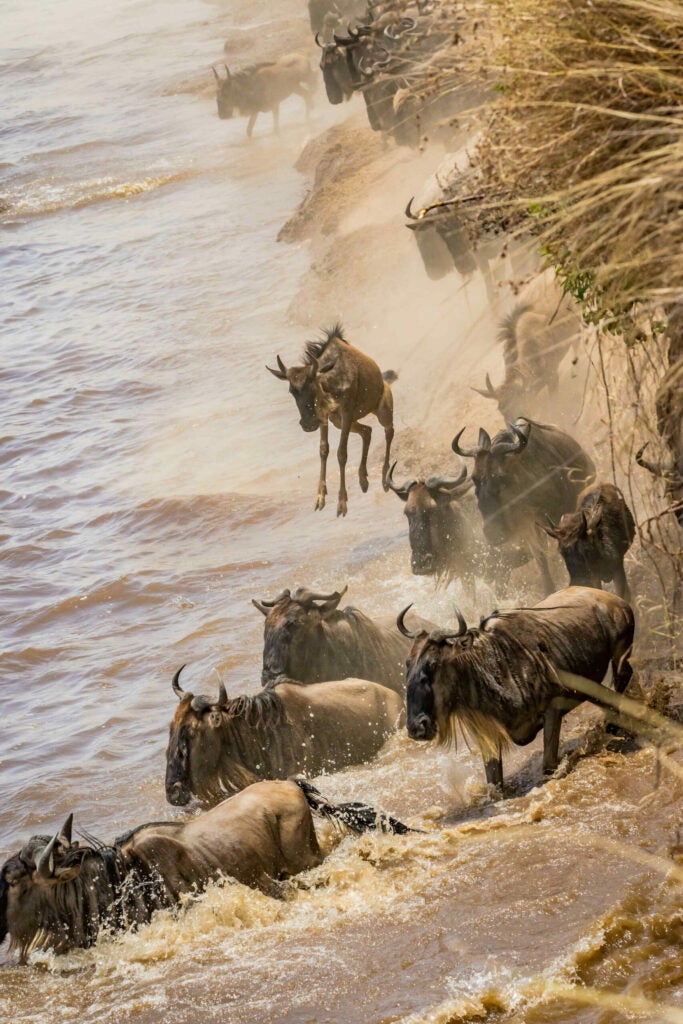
(3, 909)
(507, 334)
(356, 816)
(390, 376)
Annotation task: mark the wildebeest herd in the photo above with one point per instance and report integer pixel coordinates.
(335, 683)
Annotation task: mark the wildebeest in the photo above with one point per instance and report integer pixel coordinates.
(500, 682)
(262, 87)
(309, 639)
(536, 337)
(219, 746)
(57, 893)
(339, 83)
(594, 539)
(528, 471)
(340, 384)
(444, 542)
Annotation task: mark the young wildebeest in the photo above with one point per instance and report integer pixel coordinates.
(262, 88)
(444, 543)
(308, 639)
(594, 539)
(340, 384)
(528, 471)
(500, 682)
(57, 894)
(218, 747)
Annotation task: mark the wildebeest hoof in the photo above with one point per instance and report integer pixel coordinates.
(363, 481)
(341, 508)
(319, 502)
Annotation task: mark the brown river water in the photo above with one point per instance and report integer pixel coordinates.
(155, 479)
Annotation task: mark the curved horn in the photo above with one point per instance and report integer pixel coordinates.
(46, 862)
(314, 365)
(281, 372)
(512, 447)
(468, 453)
(67, 828)
(444, 483)
(490, 392)
(222, 694)
(409, 212)
(276, 600)
(363, 68)
(403, 491)
(400, 624)
(261, 607)
(462, 625)
(304, 596)
(177, 688)
(227, 72)
(216, 75)
(408, 24)
(317, 39)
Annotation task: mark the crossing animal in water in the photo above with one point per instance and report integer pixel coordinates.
(500, 681)
(58, 893)
(341, 385)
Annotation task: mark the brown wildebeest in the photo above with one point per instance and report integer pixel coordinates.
(526, 472)
(309, 639)
(500, 682)
(262, 87)
(218, 747)
(340, 384)
(58, 894)
(594, 539)
(444, 542)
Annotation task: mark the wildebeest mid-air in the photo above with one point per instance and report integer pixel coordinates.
(594, 539)
(57, 893)
(341, 385)
(500, 681)
(308, 638)
(261, 88)
(216, 747)
(526, 472)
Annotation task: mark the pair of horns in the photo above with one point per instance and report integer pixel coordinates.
(302, 596)
(485, 445)
(513, 376)
(405, 25)
(46, 862)
(439, 635)
(434, 483)
(200, 702)
(281, 372)
(218, 78)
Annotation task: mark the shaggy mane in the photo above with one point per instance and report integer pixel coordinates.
(264, 708)
(315, 349)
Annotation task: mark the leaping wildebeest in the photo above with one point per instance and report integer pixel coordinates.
(502, 682)
(262, 87)
(339, 384)
(594, 539)
(526, 472)
(219, 746)
(307, 637)
(58, 893)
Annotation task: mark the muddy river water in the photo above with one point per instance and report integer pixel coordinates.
(154, 480)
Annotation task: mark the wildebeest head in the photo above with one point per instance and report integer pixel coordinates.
(433, 519)
(225, 99)
(496, 477)
(576, 542)
(194, 743)
(509, 395)
(34, 904)
(303, 385)
(293, 624)
(424, 665)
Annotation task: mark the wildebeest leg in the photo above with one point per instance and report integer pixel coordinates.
(621, 583)
(494, 771)
(276, 118)
(385, 415)
(551, 739)
(324, 452)
(307, 97)
(342, 454)
(366, 433)
(621, 668)
(250, 124)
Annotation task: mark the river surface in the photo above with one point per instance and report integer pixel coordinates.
(154, 480)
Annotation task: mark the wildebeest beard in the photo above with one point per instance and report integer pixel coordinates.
(107, 894)
(483, 682)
